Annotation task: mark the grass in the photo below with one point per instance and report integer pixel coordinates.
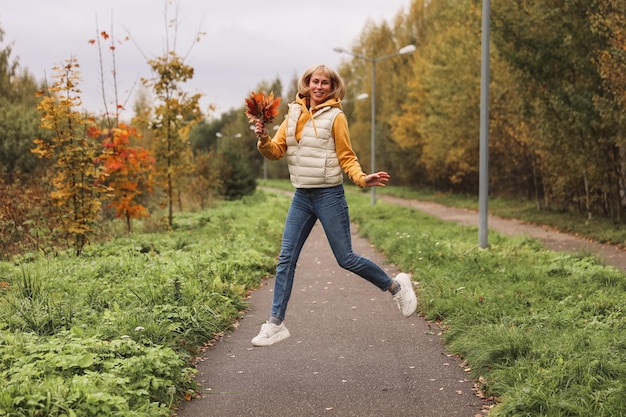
(115, 331)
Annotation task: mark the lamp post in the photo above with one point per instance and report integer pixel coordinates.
(409, 49)
(483, 180)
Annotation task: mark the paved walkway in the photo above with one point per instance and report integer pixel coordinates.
(351, 353)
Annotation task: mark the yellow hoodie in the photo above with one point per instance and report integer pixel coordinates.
(275, 148)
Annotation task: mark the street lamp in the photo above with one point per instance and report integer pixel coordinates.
(483, 179)
(409, 49)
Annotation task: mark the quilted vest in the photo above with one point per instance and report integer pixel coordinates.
(313, 161)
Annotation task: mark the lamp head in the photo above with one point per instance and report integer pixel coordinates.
(409, 49)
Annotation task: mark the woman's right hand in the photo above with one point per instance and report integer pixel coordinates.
(260, 129)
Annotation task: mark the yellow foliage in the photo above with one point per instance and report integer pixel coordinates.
(78, 180)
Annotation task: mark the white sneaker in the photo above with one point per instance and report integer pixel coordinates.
(270, 333)
(405, 298)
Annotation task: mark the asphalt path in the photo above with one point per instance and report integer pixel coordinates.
(351, 353)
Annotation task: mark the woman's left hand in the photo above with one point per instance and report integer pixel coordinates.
(378, 179)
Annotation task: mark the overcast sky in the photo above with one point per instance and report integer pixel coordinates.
(246, 41)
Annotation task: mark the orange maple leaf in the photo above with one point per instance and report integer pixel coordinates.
(261, 107)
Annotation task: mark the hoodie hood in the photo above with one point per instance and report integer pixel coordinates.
(304, 103)
(309, 113)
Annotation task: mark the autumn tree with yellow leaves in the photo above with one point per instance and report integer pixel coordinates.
(176, 113)
(79, 180)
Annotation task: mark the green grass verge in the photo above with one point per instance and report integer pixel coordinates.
(115, 331)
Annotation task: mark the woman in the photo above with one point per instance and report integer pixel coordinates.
(316, 140)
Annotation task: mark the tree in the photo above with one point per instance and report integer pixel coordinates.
(78, 181)
(176, 113)
(439, 118)
(19, 119)
(18, 126)
(128, 169)
(128, 172)
(609, 20)
(238, 177)
(550, 46)
(207, 178)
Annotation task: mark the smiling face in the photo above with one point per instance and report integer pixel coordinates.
(319, 88)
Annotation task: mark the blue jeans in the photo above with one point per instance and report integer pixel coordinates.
(330, 207)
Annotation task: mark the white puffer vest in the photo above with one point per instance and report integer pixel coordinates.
(313, 161)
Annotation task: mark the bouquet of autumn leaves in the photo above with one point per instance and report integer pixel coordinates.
(262, 107)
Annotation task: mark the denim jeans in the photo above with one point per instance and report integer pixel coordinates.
(330, 207)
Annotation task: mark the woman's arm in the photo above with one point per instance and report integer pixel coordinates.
(271, 148)
(348, 159)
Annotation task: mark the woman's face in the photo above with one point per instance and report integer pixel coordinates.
(319, 88)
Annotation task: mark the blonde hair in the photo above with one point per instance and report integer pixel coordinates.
(338, 89)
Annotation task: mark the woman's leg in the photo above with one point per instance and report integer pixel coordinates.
(332, 209)
(300, 220)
